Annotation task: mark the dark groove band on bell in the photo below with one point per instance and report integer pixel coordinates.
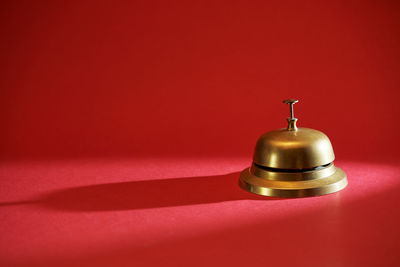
(291, 170)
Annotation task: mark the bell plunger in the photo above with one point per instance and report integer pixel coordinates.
(291, 120)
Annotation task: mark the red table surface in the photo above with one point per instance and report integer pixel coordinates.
(124, 125)
(190, 212)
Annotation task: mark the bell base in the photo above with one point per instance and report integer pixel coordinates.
(293, 189)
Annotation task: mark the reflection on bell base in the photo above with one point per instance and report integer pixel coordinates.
(293, 184)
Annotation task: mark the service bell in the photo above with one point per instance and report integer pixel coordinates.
(293, 162)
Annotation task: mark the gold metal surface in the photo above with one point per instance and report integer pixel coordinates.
(293, 162)
(324, 185)
(300, 149)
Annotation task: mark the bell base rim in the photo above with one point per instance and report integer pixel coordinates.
(293, 189)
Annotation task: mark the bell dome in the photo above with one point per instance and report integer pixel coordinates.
(301, 149)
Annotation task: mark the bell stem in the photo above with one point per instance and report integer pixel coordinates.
(291, 111)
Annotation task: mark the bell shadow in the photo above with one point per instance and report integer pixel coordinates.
(145, 194)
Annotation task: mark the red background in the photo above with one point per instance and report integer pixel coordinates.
(165, 78)
(104, 92)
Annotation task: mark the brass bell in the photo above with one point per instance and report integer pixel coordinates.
(293, 162)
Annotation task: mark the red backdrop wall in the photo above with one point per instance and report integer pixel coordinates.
(160, 78)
